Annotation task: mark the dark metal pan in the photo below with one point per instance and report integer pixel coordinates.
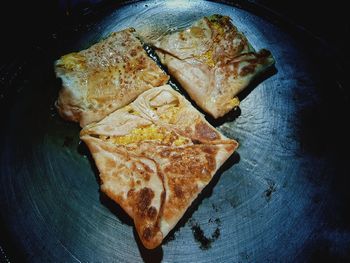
(280, 198)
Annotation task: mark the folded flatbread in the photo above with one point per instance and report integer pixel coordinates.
(154, 157)
(213, 62)
(105, 77)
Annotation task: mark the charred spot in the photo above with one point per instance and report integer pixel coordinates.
(205, 132)
(176, 157)
(263, 53)
(145, 197)
(162, 197)
(181, 36)
(133, 52)
(194, 141)
(210, 157)
(147, 233)
(178, 191)
(152, 212)
(211, 162)
(131, 192)
(182, 190)
(247, 70)
(209, 150)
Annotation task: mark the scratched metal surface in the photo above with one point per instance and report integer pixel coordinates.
(273, 201)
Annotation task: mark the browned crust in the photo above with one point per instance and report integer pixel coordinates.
(186, 167)
(228, 65)
(150, 235)
(102, 84)
(138, 203)
(145, 225)
(182, 171)
(204, 132)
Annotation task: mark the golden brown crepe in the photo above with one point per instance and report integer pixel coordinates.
(154, 157)
(105, 77)
(213, 62)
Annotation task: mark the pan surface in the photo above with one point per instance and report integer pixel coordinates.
(274, 200)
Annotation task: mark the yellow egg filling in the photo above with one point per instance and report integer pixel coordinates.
(170, 115)
(148, 133)
(234, 102)
(207, 58)
(72, 61)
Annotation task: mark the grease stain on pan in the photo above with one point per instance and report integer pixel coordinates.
(205, 242)
(234, 201)
(271, 189)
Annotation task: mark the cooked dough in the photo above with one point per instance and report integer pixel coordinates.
(154, 157)
(105, 77)
(213, 62)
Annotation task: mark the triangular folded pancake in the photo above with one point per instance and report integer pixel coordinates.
(105, 77)
(154, 157)
(213, 62)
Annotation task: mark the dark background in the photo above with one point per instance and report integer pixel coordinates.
(30, 28)
(28, 22)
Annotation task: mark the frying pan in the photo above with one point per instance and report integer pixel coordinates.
(280, 198)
